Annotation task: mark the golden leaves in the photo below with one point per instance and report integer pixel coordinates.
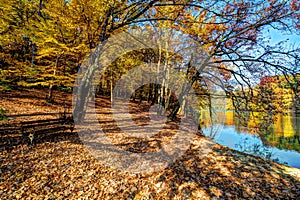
(62, 168)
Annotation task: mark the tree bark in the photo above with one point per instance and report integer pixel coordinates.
(51, 84)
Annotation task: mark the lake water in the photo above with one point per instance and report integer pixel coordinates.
(280, 142)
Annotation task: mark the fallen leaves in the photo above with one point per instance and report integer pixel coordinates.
(62, 168)
(66, 170)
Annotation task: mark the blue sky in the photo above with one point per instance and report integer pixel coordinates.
(277, 36)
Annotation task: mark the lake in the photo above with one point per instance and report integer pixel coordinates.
(279, 142)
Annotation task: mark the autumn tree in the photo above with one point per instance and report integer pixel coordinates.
(230, 32)
(16, 45)
(43, 43)
(37, 48)
(233, 36)
(117, 16)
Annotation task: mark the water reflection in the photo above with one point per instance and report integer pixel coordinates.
(279, 141)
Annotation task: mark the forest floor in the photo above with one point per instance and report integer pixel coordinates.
(60, 166)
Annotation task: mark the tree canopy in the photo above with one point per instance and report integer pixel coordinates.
(43, 42)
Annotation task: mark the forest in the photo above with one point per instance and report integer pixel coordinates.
(130, 81)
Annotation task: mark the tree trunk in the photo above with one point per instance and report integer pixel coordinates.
(150, 92)
(158, 91)
(51, 84)
(186, 88)
(182, 109)
(84, 92)
(141, 92)
(111, 86)
(164, 81)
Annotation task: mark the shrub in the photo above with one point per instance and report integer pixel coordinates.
(2, 114)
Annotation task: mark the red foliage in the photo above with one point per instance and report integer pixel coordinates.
(295, 5)
(267, 80)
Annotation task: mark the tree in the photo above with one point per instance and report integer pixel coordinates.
(231, 32)
(117, 16)
(16, 45)
(228, 31)
(60, 47)
(33, 40)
